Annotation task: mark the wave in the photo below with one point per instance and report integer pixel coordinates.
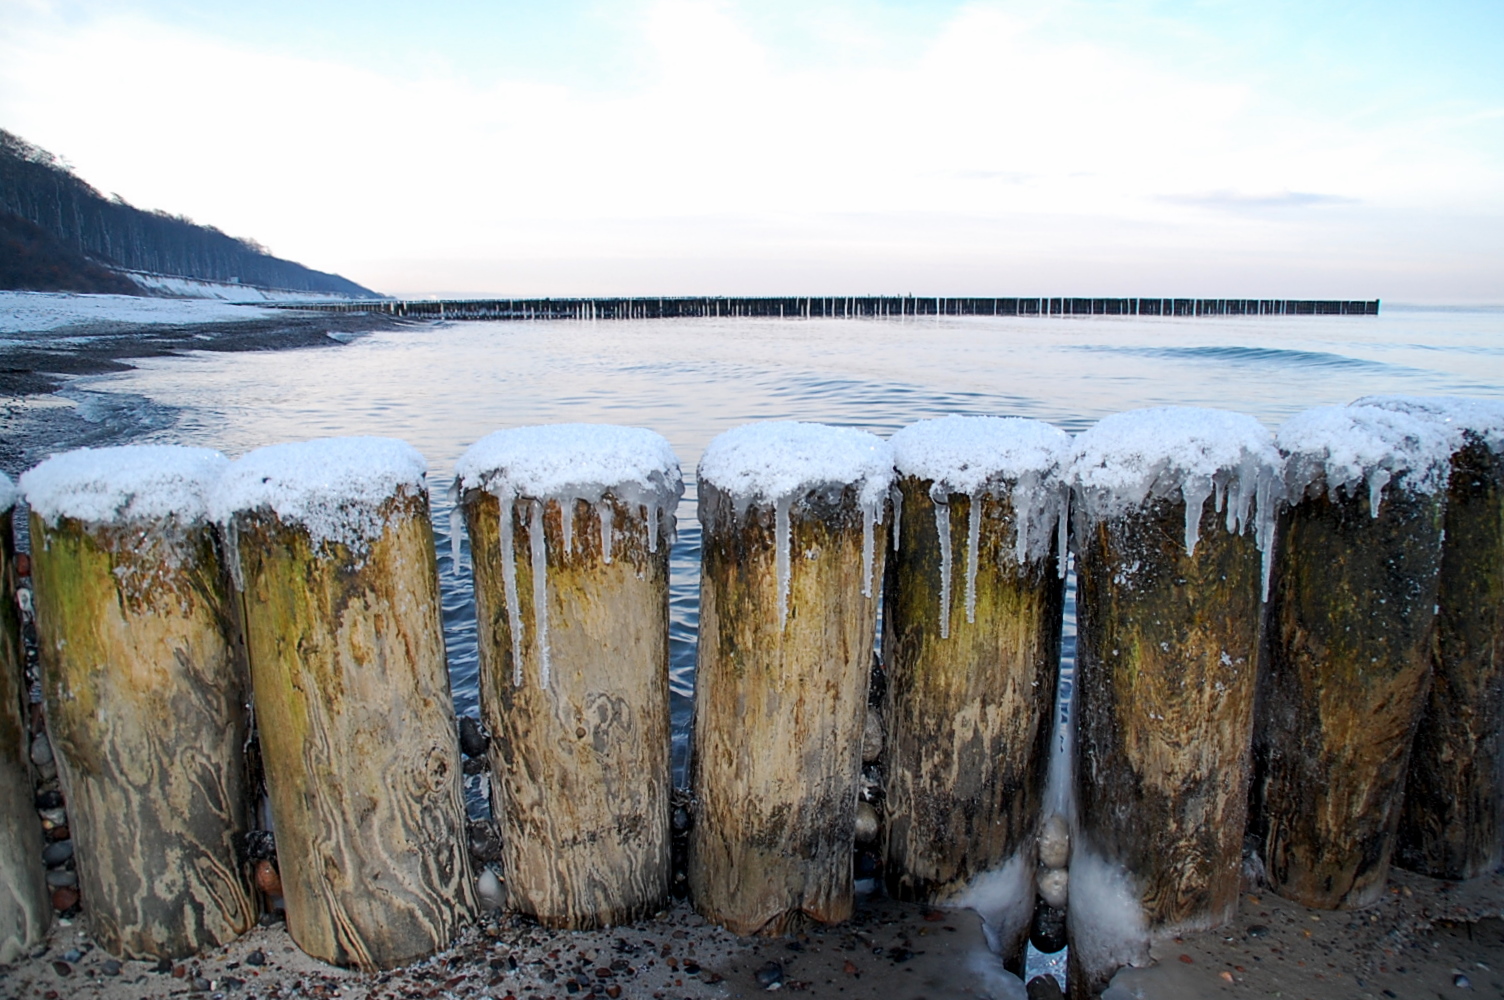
(1251, 356)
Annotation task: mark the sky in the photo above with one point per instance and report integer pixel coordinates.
(1325, 149)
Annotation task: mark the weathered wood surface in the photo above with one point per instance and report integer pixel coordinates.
(357, 737)
(1166, 670)
(1452, 822)
(779, 711)
(1349, 632)
(969, 715)
(25, 913)
(145, 697)
(580, 766)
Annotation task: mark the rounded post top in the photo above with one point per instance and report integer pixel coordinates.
(968, 454)
(125, 483)
(1481, 419)
(584, 461)
(774, 461)
(1345, 447)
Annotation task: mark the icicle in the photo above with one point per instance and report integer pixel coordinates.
(1062, 537)
(1377, 479)
(973, 546)
(1263, 535)
(603, 508)
(942, 528)
(869, 517)
(456, 524)
(652, 509)
(897, 515)
(781, 557)
(1194, 492)
(509, 588)
(232, 552)
(566, 524)
(540, 591)
(1220, 485)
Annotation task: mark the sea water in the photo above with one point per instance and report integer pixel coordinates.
(442, 386)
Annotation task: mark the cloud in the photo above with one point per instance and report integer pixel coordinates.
(1234, 201)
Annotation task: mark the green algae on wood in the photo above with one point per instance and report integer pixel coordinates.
(145, 692)
(357, 734)
(25, 910)
(580, 751)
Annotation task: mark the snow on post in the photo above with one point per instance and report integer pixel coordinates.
(972, 626)
(1173, 510)
(794, 517)
(1452, 823)
(339, 590)
(570, 528)
(1349, 628)
(128, 573)
(25, 911)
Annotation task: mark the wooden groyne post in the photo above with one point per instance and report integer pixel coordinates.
(1173, 512)
(25, 912)
(145, 693)
(1350, 623)
(971, 646)
(333, 555)
(794, 519)
(1452, 820)
(570, 530)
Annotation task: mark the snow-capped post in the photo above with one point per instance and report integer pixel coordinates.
(570, 529)
(145, 693)
(971, 643)
(1350, 622)
(1172, 513)
(333, 556)
(1452, 820)
(25, 913)
(794, 527)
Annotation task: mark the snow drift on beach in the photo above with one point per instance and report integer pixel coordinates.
(36, 312)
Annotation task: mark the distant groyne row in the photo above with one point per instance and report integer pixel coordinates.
(839, 307)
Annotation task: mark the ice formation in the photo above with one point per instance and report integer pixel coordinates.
(567, 463)
(1353, 448)
(127, 483)
(987, 456)
(7, 493)
(1197, 454)
(1480, 419)
(1106, 920)
(778, 462)
(1003, 897)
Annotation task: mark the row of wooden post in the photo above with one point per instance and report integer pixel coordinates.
(346, 663)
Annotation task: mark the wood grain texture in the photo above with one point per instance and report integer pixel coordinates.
(776, 750)
(1166, 675)
(580, 767)
(1349, 629)
(357, 737)
(1452, 823)
(145, 694)
(969, 714)
(25, 912)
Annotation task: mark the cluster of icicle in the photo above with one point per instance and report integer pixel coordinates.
(978, 457)
(780, 462)
(1196, 454)
(565, 463)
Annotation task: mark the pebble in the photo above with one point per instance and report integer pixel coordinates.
(474, 740)
(866, 823)
(56, 817)
(59, 833)
(483, 840)
(163, 965)
(257, 957)
(1044, 988)
(72, 955)
(1054, 842)
(1054, 887)
(1462, 982)
(64, 898)
(770, 975)
(62, 968)
(41, 751)
(110, 967)
(23, 564)
(488, 887)
(62, 878)
(51, 799)
(1258, 930)
(872, 737)
(57, 853)
(267, 879)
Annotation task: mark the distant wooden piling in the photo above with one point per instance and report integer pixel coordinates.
(972, 624)
(1452, 822)
(25, 911)
(145, 694)
(794, 527)
(339, 588)
(571, 553)
(1168, 506)
(1350, 626)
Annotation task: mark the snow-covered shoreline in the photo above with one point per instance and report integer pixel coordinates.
(39, 312)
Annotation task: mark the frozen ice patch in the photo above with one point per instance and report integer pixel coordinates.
(1480, 419)
(333, 487)
(768, 462)
(127, 483)
(1367, 448)
(1003, 897)
(574, 462)
(1106, 919)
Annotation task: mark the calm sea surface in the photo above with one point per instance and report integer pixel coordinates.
(443, 386)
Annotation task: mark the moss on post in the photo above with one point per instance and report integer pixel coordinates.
(779, 707)
(145, 693)
(25, 913)
(580, 755)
